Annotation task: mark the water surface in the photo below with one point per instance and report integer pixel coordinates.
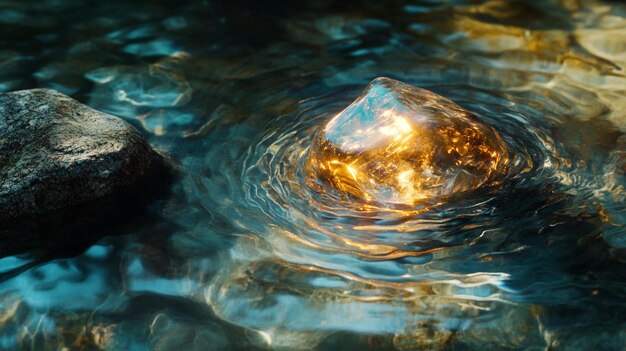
(243, 255)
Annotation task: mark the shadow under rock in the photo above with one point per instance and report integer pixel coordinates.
(70, 231)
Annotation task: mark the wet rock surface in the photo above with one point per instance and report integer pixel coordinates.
(57, 154)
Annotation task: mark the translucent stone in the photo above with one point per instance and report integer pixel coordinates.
(398, 144)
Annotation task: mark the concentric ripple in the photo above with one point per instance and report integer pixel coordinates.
(396, 264)
(281, 164)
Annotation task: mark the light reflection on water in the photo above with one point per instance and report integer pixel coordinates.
(242, 255)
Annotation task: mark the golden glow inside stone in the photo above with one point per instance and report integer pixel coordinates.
(399, 144)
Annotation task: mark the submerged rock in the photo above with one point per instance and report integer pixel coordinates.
(125, 90)
(399, 144)
(57, 154)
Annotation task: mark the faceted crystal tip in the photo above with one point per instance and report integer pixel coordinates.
(399, 144)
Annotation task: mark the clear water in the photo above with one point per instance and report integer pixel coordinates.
(241, 255)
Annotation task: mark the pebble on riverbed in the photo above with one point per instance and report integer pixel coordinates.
(57, 154)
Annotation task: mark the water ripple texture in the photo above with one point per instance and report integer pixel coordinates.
(502, 228)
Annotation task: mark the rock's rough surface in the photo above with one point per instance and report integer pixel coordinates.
(56, 153)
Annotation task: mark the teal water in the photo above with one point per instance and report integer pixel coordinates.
(242, 255)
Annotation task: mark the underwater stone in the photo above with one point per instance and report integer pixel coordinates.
(399, 144)
(56, 153)
(124, 90)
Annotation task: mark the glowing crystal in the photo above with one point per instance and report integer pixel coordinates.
(399, 144)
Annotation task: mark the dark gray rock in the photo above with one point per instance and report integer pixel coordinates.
(56, 154)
